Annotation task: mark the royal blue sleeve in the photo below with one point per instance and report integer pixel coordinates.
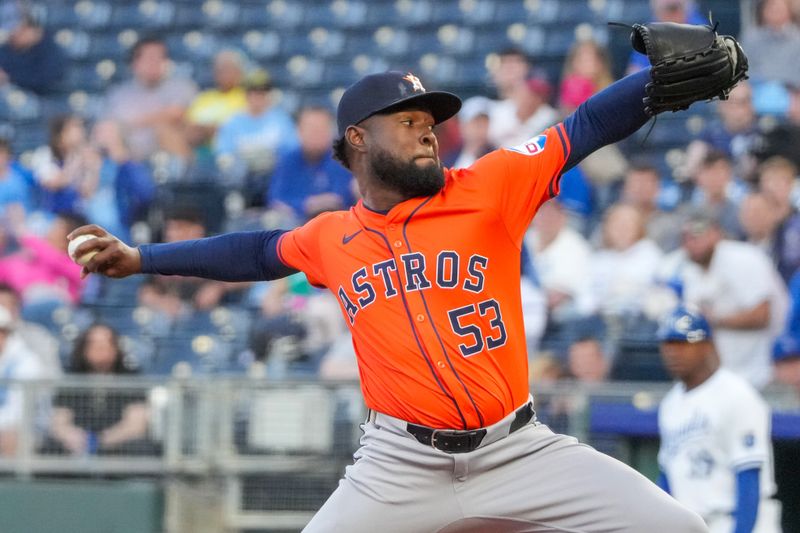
(663, 481)
(242, 256)
(748, 494)
(607, 117)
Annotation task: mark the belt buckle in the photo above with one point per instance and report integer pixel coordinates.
(433, 438)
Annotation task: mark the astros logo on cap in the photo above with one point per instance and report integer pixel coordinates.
(416, 85)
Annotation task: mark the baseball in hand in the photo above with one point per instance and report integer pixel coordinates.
(73, 245)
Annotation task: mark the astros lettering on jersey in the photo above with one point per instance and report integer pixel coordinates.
(438, 278)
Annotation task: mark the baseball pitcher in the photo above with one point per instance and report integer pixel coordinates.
(426, 268)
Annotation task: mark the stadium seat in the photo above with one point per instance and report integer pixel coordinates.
(84, 14)
(283, 15)
(204, 354)
(455, 40)
(479, 12)
(364, 64)
(93, 76)
(638, 361)
(193, 46)
(146, 15)
(446, 12)
(627, 11)
(412, 13)
(260, 45)
(531, 39)
(438, 70)
(339, 74)
(29, 135)
(119, 291)
(305, 71)
(326, 43)
(76, 44)
(218, 14)
(85, 104)
(131, 320)
(559, 12)
(336, 14)
(391, 42)
(507, 12)
(139, 352)
(113, 44)
(20, 105)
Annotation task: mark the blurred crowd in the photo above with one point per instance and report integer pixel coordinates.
(631, 235)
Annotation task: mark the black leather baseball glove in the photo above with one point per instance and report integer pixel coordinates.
(689, 63)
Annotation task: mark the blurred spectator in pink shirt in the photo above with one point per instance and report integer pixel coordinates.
(40, 269)
(587, 70)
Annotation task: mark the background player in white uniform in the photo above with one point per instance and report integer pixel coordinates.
(716, 453)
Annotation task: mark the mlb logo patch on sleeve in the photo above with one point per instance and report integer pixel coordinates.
(533, 146)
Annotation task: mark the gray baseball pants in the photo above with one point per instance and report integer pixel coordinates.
(531, 481)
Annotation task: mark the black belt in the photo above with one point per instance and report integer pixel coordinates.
(462, 441)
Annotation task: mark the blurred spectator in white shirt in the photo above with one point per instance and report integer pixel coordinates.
(524, 114)
(623, 270)
(739, 290)
(773, 44)
(17, 362)
(561, 256)
(474, 125)
(151, 107)
(35, 336)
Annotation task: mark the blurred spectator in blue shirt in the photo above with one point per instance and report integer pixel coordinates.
(776, 181)
(249, 143)
(735, 133)
(96, 178)
(67, 168)
(15, 187)
(29, 59)
(125, 187)
(307, 180)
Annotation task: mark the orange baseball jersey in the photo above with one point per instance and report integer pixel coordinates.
(431, 289)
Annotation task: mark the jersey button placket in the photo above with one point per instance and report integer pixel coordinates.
(398, 243)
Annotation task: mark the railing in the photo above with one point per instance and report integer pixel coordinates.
(277, 449)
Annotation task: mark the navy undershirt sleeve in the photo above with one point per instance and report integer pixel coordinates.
(748, 494)
(607, 117)
(663, 481)
(242, 256)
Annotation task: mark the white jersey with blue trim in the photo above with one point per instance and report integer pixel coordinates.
(710, 433)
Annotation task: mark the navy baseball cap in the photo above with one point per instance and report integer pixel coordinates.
(684, 325)
(379, 92)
